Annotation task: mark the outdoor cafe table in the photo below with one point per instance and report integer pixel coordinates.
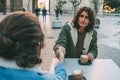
(101, 69)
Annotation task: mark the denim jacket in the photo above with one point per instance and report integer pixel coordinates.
(10, 71)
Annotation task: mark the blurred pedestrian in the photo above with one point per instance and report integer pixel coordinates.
(23, 9)
(44, 12)
(21, 41)
(37, 10)
(61, 12)
(78, 37)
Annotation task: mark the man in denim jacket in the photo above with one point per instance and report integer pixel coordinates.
(21, 39)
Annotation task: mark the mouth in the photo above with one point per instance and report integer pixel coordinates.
(82, 23)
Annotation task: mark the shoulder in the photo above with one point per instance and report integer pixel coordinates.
(94, 33)
(69, 26)
(66, 27)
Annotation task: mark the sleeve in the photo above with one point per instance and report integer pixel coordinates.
(93, 46)
(62, 39)
(60, 71)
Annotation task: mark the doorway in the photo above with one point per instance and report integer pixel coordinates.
(44, 3)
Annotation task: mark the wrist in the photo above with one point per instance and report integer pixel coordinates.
(61, 61)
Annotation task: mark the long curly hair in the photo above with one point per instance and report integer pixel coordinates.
(21, 39)
(90, 15)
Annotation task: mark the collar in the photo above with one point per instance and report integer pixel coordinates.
(74, 35)
(12, 64)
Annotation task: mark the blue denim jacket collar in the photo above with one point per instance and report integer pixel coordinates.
(12, 64)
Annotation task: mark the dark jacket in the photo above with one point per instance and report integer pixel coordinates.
(68, 39)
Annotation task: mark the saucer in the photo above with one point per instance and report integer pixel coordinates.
(88, 63)
(70, 77)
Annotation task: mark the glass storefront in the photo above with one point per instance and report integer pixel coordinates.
(111, 6)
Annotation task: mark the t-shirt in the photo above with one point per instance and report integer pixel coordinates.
(80, 43)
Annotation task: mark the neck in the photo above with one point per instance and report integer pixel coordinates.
(81, 30)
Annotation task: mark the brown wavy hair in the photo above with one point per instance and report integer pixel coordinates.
(90, 15)
(21, 38)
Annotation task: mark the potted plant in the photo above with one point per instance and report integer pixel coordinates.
(58, 23)
(75, 3)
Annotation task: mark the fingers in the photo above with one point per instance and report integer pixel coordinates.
(57, 54)
(60, 52)
(90, 57)
(62, 48)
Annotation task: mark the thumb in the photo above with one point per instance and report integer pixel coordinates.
(61, 53)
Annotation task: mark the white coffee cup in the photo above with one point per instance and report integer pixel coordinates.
(84, 58)
(78, 74)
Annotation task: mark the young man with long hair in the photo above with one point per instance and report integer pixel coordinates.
(21, 41)
(78, 37)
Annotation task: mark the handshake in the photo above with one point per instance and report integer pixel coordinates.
(60, 53)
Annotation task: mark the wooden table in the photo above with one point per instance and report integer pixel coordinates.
(101, 69)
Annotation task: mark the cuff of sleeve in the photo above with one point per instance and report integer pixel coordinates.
(61, 64)
(60, 71)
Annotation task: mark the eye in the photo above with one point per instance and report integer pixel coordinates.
(86, 17)
(81, 16)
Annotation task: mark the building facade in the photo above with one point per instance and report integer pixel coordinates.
(30, 5)
(15, 5)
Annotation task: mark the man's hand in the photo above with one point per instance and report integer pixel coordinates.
(60, 53)
(90, 57)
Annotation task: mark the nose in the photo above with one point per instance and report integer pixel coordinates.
(83, 18)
